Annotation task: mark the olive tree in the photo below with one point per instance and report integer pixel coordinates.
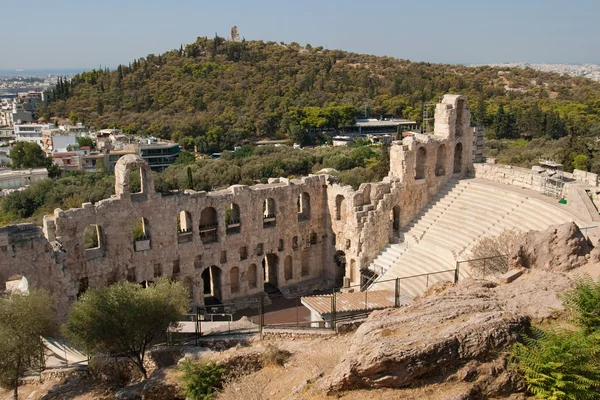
(125, 318)
(24, 319)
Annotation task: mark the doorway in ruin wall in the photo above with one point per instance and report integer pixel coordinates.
(270, 266)
(212, 285)
(340, 268)
(458, 150)
(395, 217)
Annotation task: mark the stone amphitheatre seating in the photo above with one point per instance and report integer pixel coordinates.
(453, 221)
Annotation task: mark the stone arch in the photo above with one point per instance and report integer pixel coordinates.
(339, 207)
(395, 217)
(303, 206)
(288, 272)
(234, 279)
(458, 150)
(270, 265)
(123, 168)
(421, 163)
(211, 277)
(252, 276)
(233, 220)
(460, 113)
(269, 213)
(209, 225)
(441, 160)
(340, 270)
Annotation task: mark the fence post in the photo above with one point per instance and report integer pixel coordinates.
(397, 293)
(333, 310)
(457, 272)
(427, 282)
(261, 308)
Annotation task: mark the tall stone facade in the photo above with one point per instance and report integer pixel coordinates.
(295, 235)
(420, 166)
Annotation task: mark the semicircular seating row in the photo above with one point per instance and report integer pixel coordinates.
(453, 221)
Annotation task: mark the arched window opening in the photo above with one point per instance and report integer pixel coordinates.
(252, 276)
(287, 268)
(269, 213)
(141, 235)
(184, 227)
(441, 160)
(208, 225)
(135, 180)
(233, 223)
(305, 265)
(458, 150)
(234, 279)
(460, 107)
(340, 271)
(421, 164)
(303, 207)
(212, 285)
(339, 207)
(270, 271)
(92, 238)
(396, 220)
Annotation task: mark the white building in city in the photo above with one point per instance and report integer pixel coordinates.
(32, 132)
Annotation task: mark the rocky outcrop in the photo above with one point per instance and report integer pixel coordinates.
(559, 248)
(440, 333)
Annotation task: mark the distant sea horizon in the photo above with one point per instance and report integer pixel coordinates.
(42, 71)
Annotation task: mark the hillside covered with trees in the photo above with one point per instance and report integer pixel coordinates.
(215, 94)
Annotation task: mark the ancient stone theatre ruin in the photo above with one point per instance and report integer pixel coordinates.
(292, 234)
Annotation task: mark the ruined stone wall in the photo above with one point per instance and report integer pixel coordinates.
(304, 239)
(509, 175)
(420, 166)
(335, 233)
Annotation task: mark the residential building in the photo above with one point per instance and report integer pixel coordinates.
(32, 132)
(21, 178)
(160, 155)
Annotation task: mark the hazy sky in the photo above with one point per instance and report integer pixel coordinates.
(85, 33)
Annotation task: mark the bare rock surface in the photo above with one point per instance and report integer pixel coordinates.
(462, 332)
(559, 248)
(439, 333)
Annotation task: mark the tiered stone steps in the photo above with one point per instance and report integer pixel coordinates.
(447, 228)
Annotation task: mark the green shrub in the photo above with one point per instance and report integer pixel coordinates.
(584, 301)
(559, 364)
(201, 381)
